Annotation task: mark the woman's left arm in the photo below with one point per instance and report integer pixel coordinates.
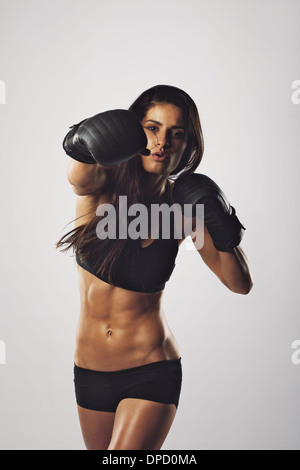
(223, 231)
(235, 270)
(232, 268)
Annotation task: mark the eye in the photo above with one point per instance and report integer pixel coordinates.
(152, 128)
(178, 135)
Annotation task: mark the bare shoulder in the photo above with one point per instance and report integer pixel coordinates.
(85, 207)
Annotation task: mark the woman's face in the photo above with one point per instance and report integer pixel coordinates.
(165, 129)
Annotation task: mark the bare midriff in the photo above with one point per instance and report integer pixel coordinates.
(119, 329)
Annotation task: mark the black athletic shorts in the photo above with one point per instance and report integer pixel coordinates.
(102, 391)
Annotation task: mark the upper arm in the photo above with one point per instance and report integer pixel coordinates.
(89, 191)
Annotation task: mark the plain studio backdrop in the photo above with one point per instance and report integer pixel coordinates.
(64, 60)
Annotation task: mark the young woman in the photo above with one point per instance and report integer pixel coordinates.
(127, 370)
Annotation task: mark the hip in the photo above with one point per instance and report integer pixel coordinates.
(103, 390)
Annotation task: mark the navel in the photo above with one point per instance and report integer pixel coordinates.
(109, 332)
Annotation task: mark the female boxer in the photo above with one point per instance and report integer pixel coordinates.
(127, 370)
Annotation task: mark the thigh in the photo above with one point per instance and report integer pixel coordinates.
(96, 427)
(141, 424)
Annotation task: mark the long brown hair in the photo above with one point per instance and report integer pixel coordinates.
(125, 179)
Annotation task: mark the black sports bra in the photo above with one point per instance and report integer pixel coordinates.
(157, 262)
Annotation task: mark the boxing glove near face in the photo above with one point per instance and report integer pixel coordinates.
(107, 138)
(219, 216)
(75, 149)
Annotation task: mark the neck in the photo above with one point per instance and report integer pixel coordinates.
(154, 186)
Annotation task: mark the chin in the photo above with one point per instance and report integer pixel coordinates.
(154, 171)
(150, 166)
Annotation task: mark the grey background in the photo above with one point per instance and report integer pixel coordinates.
(65, 60)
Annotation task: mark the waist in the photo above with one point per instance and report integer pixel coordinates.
(148, 365)
(109, 344)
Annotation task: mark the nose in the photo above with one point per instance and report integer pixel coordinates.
(162, 139)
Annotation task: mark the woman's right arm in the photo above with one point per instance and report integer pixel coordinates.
(85, 178)
(99, 143)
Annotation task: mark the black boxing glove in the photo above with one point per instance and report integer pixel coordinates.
(107, 138)
(219, 216)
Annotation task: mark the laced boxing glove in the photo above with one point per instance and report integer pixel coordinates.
(107, 138)
(219, 216)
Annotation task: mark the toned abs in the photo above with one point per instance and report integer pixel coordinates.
(118, 328)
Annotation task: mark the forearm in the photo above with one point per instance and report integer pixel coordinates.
(236, 271)
(86, 176)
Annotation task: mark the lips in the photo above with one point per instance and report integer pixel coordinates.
(159, 156)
